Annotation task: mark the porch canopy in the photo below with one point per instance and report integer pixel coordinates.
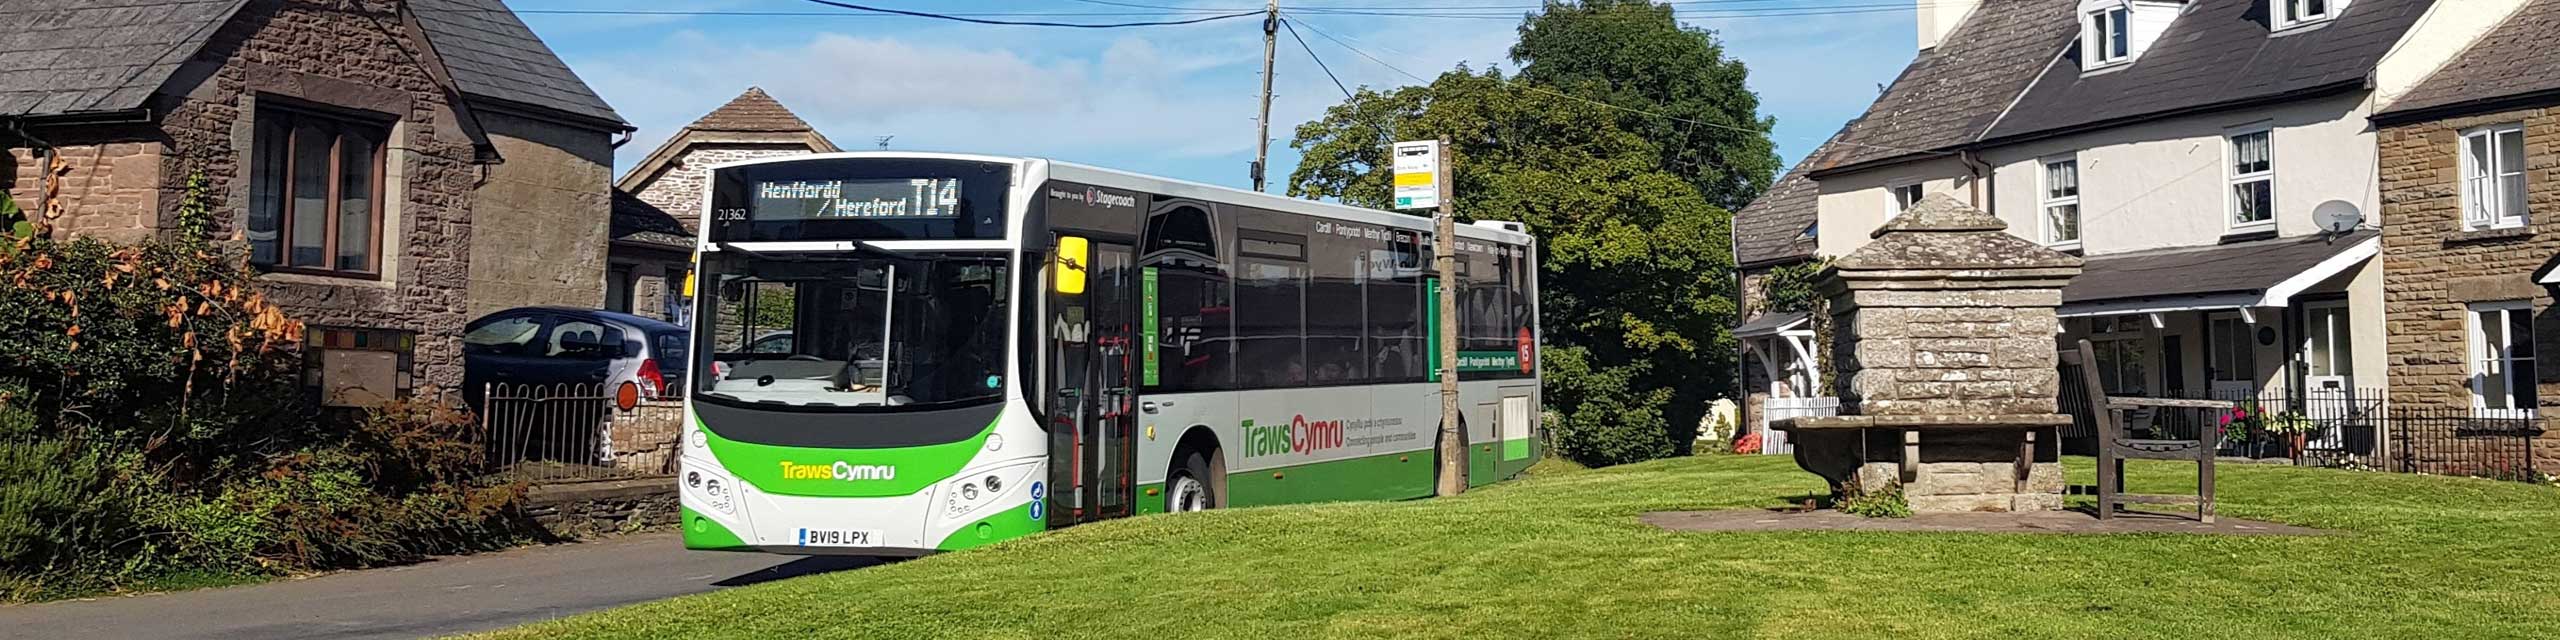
(1770, 324)
(2239, 275)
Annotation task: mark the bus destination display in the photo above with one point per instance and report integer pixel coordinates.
(909, 199)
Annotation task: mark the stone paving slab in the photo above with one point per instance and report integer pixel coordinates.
(2062, 522)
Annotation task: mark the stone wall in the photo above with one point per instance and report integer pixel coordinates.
(539, 221)
(351, 56)
(2433, 269)
(678, 190)
(109, 190)
(588, 509)
(644, 439)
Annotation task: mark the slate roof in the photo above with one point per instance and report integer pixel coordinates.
(2240, 267)
(1952, 92)
(754, 110)
(72, 56)
(635, 221)
(1772, 228)
(2218, 52)
(1768, 324)
(492, 54)
(2519, 57)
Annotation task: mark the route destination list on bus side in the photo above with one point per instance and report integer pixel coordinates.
(857, 199)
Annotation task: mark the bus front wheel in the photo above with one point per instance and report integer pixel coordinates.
(1188, 489)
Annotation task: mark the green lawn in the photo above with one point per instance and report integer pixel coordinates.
(1559, 554)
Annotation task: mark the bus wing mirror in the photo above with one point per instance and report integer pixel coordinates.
(1068, 276)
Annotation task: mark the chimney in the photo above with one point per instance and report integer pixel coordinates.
(1937, 17)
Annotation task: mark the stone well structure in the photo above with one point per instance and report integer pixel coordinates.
(1943, 339)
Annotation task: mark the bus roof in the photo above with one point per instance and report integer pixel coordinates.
(1099, 176)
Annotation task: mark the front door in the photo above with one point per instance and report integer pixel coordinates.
(2231, 357)
(1092, 391)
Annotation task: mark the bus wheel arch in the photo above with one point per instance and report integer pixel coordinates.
(1202, 441)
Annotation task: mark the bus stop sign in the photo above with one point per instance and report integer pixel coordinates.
(1418, 174)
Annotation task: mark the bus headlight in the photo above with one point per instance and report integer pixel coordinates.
(711, 491)
(976, 490)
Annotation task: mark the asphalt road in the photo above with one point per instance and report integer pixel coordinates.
(445, 596)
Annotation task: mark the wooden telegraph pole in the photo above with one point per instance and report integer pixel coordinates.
(1262, 133)
(1453, 441)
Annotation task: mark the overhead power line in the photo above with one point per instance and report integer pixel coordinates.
(1030, 23)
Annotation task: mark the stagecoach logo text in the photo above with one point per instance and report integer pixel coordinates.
(1096, 197)
(841, 470)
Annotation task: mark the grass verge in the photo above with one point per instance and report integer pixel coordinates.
(1559, 554)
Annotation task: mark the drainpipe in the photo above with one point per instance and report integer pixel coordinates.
(1981, 174)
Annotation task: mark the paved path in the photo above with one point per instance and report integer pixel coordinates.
(2069, 522)
(447, 596)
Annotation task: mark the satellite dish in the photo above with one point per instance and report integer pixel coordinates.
(2337, 216)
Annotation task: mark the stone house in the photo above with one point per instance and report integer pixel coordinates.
(394, 167)
(2182, 148)
(657, 205)
(1775, 233)
(2470, 180)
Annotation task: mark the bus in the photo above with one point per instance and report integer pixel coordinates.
(903, 353)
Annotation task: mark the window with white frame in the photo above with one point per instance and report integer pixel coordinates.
(2502, 374)
(2107, 37)
(2062, 202)
(2291, 13)
(2493, 177)
(2253, 180)
(1904, 196)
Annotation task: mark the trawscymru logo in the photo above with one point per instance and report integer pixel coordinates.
(1300, 436)
(841, 470)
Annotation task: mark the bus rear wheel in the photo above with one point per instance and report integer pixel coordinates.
(1188, 489)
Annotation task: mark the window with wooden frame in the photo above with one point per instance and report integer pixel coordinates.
(2295, 13)
(2107, 36)
(315, 192)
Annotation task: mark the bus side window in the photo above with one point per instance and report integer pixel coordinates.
(1395, 311)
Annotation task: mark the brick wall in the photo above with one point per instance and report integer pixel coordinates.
(678, 190)
(539, 221)
(347, 55)
(2433, 269)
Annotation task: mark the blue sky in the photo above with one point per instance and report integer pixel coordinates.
(1174, 101)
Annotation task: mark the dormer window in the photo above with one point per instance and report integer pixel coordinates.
(2295, 13)
(2108, 38)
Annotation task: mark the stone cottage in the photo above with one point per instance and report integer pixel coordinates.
(2470, 180)
(657, 206)
(395, 167)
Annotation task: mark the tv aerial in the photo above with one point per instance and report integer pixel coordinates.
(2337, 217)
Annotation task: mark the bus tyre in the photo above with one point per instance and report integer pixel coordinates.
(1188, 489)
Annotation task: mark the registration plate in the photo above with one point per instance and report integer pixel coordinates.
(839, 538)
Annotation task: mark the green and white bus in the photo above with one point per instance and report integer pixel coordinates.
(899, 353)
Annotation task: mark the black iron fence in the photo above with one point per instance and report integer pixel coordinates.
(2331, 427)
(2461, 444)
(2334, 425)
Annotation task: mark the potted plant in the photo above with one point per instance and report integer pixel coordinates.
(2295, 428)
(2241, 426)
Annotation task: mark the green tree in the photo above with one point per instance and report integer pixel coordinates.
(1674, 83)
(1634, 265)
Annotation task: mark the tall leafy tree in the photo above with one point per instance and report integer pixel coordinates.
(1674, 83)
(1634, 265)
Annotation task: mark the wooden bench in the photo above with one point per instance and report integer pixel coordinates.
(2115, 444)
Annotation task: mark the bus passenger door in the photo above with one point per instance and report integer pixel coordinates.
(1093, 390)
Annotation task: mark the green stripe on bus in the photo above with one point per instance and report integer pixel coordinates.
(810, 471)
(705, 533)
(997, 527)
(1380, 477)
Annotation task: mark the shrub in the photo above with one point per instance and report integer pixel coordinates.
(1603, 419)
(1887, 502)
